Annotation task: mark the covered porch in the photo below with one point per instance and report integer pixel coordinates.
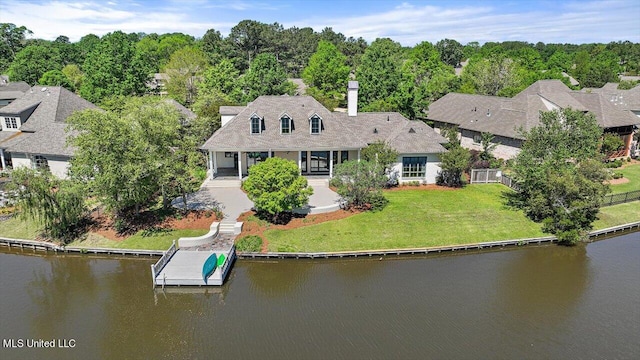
(236, 164)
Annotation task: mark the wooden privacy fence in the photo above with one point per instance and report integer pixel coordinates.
(484, 176)
(614, 199)
(506, 180)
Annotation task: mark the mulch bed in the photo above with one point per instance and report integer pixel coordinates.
(617, 181)
(103, 225)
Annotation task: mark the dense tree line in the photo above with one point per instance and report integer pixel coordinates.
(257, 59)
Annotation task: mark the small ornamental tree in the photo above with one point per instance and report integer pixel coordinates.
(381, 155)
(453, 164)
(57, 204)
(360, 184)
(275, 186)
(488, 146)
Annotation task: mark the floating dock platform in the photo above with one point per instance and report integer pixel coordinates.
(184, 268)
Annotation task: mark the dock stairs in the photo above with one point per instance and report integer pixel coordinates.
(227, 227)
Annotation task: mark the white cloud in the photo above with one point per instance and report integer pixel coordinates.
(572, 22)
(598, 21)
(49, 19)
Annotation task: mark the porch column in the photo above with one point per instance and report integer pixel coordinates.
(358, 155)
(240, 165)
(270, 153)
(215, 162)
(4, 165)
(330, 164)
(300, 161)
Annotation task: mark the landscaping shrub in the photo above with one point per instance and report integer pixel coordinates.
(120, 225)
(249, 243)
(614, 164)
(617, 175)
(377, 201)
(200, 174)
(360, 184)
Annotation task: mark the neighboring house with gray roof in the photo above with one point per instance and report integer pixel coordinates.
(300, 129)
(33, 129)
(9, 91)
(505, 117)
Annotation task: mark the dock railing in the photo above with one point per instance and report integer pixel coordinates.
(166, 256)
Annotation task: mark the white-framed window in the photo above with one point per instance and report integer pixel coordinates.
(414, 166)
(228, 154)
(315, 124)
(256, 126)
(40, 162)
(11, 122)
(285, 125)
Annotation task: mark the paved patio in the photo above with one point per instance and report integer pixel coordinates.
(232, 201)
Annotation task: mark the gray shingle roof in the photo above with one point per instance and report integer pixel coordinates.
(339, 131)
(186, 113)
(50, 140)
(231, 110)
(235, 135)
(43, 132)
(13, 90)
(624, 99)
(394, 129)
(508, 115)
(20, 86)
(54, 104)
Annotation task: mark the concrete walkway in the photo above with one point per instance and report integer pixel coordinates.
(322, 200)
(232, 201)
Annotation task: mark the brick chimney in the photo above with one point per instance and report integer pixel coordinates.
(352, 98)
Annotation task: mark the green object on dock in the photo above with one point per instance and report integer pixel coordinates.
(221, 260)
(209, 267)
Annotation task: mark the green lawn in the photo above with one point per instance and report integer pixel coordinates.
(159, 241)
(617, 215)
(19, 229)
(631, 172)
(415, 218)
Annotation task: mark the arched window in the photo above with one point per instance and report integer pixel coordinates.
(315, 124)
(256, 127)
(285, 125)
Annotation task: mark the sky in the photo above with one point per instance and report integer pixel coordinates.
(407, 22)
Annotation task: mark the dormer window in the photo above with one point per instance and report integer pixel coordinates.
(285, 125)
(11, 122)
(315, 124)
(256, 127)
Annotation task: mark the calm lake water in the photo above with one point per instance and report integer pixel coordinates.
(545, 302)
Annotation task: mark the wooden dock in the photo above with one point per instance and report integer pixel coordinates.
(184, 268)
